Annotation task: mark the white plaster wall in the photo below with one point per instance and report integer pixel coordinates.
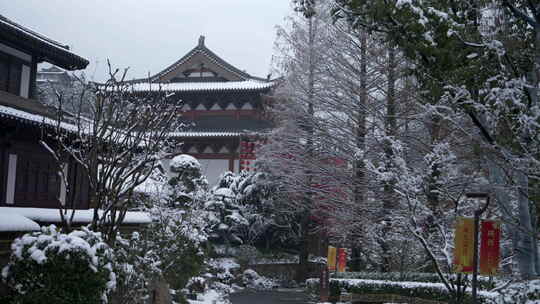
(213, 168)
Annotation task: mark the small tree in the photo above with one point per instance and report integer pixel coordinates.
(118, 143)
(187, 184)
(171, 248)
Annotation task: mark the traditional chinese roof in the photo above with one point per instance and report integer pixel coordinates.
(200, 54)
(33, 119)
(246, 85)
(205, 134)
(45, 48)
(222, 126)
(52, 70)
(202, 70)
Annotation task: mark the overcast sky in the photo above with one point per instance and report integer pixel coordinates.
(148, 35)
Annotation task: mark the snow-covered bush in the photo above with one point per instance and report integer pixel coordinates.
(243, 211)
(527, 292)
(251, 279)
(484, 282)
(196, 285)
(224, 270)
(135, 268)
(53, 267)
(428, 291)
(187, 185)
(171, 248)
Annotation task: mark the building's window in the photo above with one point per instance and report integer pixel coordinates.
(14, 75)
(12, 173)
(14, 85)
(25, 81)
(4, 73)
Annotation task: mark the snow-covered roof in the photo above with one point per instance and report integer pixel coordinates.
(46, 48)
(208, 54)
(47, 215)
(205, 134)
(15, 222)
(247, 85)
(36, 119)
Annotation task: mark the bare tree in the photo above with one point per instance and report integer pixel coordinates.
(117, 144)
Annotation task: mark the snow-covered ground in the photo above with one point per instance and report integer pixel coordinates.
(210, 297)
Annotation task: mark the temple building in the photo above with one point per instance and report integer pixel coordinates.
(31, 188)
(28, 172)
(222, 106)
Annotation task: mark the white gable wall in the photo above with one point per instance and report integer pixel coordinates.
(213, 168)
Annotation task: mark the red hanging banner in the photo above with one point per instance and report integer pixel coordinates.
(490, 251)
(342, 260)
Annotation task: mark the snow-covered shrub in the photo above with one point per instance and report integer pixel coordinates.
(527, 292)
(196, 285)
(135, 268)
(171, 248)
(187, 185)
(428, 291)
(243, 211)
(484, 282)
(224, 270)
(251, 279)
(53, 267)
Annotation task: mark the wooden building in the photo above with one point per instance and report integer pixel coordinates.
(223, 108)
(31, 190)
(28, 172)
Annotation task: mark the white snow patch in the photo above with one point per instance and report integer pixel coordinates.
(47, 215)
(16, 222)
(210, 297)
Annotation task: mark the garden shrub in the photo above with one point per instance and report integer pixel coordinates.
(526, 292)
(169, 249)
(484, 282)
(54, 267)
(423, 290)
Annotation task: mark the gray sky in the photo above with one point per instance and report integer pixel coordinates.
(148, 35)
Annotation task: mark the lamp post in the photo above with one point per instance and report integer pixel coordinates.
(477, 213)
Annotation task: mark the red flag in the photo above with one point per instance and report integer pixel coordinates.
(490, 252)
(342, 260)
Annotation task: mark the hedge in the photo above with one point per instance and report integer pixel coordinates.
(427, 277)
(423, 290)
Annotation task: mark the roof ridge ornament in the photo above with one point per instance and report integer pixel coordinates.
(201, 41)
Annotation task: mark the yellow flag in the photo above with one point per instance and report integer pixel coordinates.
(464, 245)
(331, 261)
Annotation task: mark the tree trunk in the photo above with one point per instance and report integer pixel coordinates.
(303, 259)
(359, 166)
(389, 200)
(521, 234)
(304, 228)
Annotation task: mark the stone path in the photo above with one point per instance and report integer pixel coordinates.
(279, 296)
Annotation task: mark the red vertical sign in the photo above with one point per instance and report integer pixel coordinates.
(342, 260)
(247, 155)
(490, 252)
